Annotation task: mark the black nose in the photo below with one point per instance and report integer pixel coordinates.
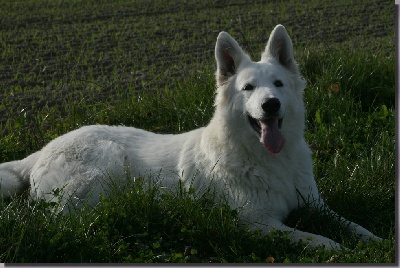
(271, 106)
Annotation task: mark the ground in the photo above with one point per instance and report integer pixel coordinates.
(53, 52)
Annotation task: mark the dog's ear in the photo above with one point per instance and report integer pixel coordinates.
(229, 55)
(280, 47)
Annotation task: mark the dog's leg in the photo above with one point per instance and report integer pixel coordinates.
(319, 206)
(360, 231)
(295, 235)
(365, 235)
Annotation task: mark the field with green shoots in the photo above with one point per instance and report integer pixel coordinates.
(150, 64)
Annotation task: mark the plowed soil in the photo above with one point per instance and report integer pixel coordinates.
(55, 52)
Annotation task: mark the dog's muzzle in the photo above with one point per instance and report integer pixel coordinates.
(256, 124)
(269, 127)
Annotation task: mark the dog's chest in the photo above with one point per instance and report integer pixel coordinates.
(271, 190)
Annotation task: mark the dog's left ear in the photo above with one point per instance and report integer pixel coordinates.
(229, 55)
(280, 47)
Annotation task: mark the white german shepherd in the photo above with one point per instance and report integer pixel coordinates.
(253, 150)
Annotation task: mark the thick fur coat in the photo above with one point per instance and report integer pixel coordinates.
(253, 150)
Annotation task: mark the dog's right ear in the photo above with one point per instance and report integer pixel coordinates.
(280, 47)
(229, 55)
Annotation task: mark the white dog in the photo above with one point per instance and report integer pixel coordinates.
(253, 150)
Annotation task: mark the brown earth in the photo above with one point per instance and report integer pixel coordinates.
(57, 52)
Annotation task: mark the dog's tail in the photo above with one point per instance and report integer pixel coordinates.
(14, 175)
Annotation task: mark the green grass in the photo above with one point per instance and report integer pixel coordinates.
(117, 63)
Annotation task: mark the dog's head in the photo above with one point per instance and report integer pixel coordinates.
(266, 94)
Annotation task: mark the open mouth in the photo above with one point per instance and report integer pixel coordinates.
(256, 124)
(269, 130)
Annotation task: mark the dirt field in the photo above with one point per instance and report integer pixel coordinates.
(56, 52)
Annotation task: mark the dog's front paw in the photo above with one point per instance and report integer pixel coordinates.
(324, 242)
(370, 237)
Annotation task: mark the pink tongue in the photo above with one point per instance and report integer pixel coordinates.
(271, 136)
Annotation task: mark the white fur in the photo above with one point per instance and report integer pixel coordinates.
(228, 152)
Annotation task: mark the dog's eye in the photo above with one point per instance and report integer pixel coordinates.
(278, 83)
(248, 87)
